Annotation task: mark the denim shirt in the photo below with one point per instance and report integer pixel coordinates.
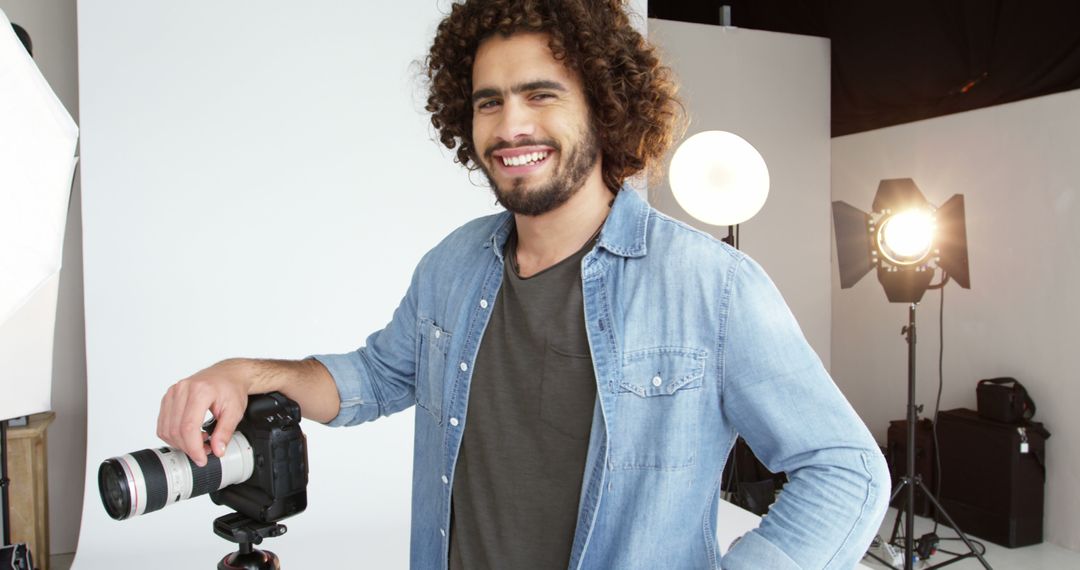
(691, 345)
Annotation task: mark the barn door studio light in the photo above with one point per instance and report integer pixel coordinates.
(905, 238)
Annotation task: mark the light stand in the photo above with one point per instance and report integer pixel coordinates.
(911, 480)
(906, 241)
(732, 237)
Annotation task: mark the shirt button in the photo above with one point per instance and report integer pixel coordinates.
(445, 480)
(454, 422)
(483, 303)
(442, 532)
(656, 381)
(438, 333)
(463, 366)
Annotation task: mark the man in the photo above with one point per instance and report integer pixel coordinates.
(581, 364)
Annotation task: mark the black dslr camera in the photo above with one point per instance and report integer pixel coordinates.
(278, 487)
(263, 476)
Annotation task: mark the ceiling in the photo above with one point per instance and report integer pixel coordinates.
(895, 62)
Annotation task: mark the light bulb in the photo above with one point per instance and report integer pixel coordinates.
(907, 238)
(719, 178)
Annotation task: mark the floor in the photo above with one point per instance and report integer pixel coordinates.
(1038, 557)
(60, 561)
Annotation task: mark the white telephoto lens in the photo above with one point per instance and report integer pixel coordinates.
(150, 479)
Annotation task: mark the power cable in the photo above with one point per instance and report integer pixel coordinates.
(937, 404)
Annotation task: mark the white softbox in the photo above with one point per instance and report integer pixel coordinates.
(37, 149)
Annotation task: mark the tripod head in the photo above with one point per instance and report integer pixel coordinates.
(247, 532)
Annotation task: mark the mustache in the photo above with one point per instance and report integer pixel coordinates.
(520, 143)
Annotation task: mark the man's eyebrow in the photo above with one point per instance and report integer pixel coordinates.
(519, 88)
(537, 85)
(485, 93)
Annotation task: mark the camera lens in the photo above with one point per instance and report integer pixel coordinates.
(115, 493)
(147, 480)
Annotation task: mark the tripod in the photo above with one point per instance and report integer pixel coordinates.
(238, 528)
(910, 481)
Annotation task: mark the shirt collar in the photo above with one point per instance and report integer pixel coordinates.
(623, 234)
(626, 227)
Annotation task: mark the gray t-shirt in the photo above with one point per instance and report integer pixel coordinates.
(518, 477)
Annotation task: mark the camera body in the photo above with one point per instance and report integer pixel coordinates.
(278, 485)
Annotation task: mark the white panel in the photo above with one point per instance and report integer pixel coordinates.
(26, 342)
(772, 90)
(1017, 167)
(259, 179)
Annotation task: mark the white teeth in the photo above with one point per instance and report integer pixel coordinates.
(522, 159)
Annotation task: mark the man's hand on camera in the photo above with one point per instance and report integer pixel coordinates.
(222, 390)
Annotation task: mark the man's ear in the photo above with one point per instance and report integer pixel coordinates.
(472, 162)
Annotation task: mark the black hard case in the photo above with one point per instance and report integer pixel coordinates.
(989, 486)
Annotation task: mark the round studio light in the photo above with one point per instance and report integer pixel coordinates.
(719, 178)
(906, 238)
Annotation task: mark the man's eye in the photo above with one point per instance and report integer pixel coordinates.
(543, 96)
(489, 104)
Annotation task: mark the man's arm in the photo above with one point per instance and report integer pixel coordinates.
(223, 390)
(780, 398)
(375, 380)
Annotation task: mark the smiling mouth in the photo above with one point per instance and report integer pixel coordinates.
(526, 159)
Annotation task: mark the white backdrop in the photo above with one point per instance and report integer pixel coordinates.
(259, 180)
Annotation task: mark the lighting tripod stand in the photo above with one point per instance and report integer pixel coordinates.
(910, 481)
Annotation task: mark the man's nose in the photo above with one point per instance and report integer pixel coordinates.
(517, 121)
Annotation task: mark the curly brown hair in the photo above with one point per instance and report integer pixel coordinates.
(631, 95)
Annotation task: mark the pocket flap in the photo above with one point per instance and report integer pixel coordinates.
(662, 371)
(434, 336)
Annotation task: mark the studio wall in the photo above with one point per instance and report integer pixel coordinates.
(260, 179)
(1016, 165)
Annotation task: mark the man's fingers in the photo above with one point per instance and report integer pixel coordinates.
(184, 407)
(228, 417)
(163, 416)
(191, 421)
(168, 419)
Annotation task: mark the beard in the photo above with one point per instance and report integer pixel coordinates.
(572, 171)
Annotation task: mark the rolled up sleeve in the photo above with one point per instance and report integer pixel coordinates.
(379, 378)
(782, 401)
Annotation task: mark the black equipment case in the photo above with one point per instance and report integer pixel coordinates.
(992, 476)
(1004, 400)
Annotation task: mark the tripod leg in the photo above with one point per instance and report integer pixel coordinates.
(954, 526)
(896, 491)
(896, 525)
(899, 512)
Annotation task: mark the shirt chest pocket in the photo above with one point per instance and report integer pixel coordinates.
(659, 404)
(434, 346)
